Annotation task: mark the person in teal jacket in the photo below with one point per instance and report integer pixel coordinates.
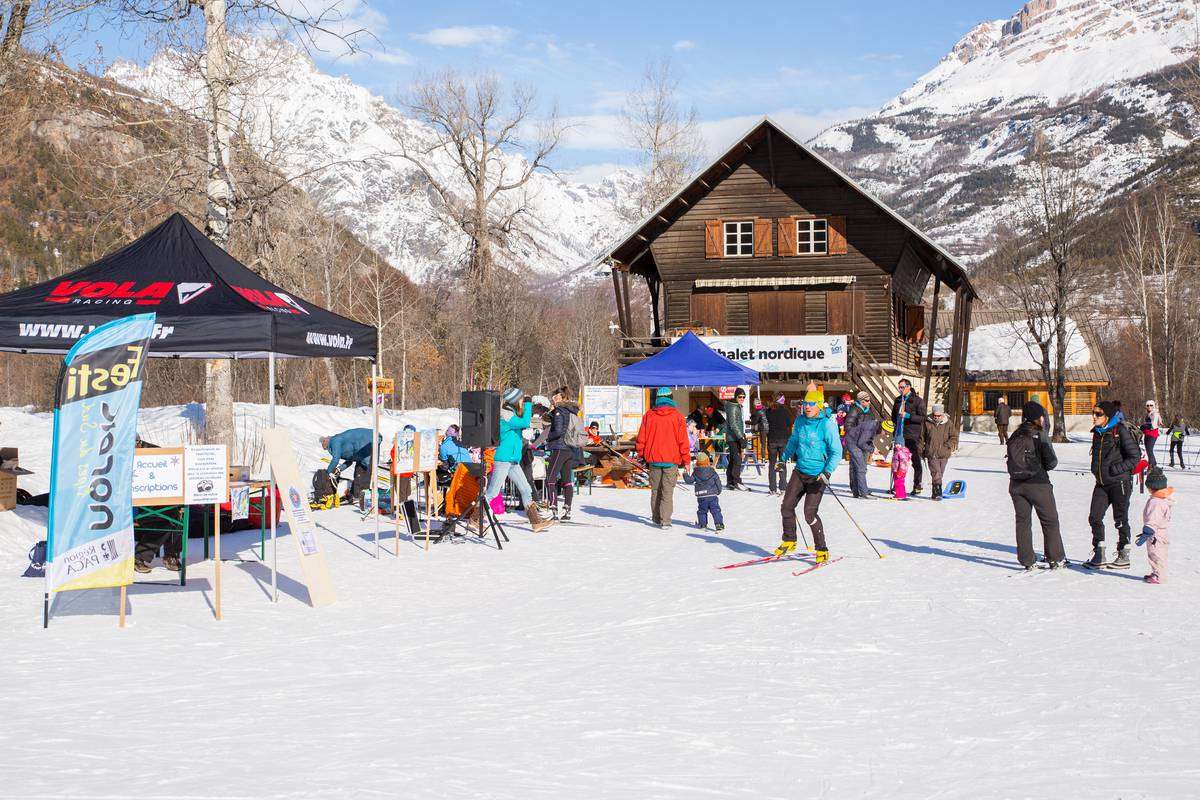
(515, 416)
(816, 449)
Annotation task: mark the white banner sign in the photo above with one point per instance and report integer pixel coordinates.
(784, 353)
(205, 474)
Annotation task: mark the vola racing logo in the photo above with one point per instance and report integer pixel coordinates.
(110, 293)
(188, 292)
(271, 300)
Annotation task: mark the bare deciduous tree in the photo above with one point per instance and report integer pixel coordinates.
(665, 135)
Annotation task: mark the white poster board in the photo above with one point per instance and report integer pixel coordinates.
(282, 458)
(404, 462)
(633, 407)
(427, 452)
(205, 474)
(784, 353)
(602, 404)
(158, 476)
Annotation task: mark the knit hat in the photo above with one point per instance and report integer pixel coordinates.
(1032, 411)
(1156, 479)
(1108, 407)
(814, 395)
(782, 399)
(513, 396)
(939, 409)
(702, 459)
(663, 391)
(740, 392)
(864, 396)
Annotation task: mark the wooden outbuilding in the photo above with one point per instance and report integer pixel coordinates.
(771, 240)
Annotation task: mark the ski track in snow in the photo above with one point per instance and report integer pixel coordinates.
(617, 663)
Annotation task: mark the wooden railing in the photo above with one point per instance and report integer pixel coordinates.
(867, 375)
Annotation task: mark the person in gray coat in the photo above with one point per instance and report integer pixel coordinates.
(861, 426)
(1003, 414)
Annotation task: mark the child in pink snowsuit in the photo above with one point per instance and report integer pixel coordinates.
(901, 458)
(1156, 524)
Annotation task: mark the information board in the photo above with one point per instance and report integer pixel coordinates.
(205, 474)
(158, 476)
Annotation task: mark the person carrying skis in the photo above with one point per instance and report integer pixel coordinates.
(1151, 424)
(708, 493)
(516, 411)
(908, 413)
(779, 429)
(816, 450)
(1003, 415)
(861, 427)
(1114, 455)
(1030, 457)
(937, 446)
(564, 441)
(1175, 437)
(1156, 525)
(663, 444)
(735, 439)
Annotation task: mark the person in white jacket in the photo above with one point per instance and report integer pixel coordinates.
(1151, 424)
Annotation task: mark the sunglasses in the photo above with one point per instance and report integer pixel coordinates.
(1097, 413)
(808, 404)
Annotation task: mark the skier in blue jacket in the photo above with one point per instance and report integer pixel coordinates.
(816, 449)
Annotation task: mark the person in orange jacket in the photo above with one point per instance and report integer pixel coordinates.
(662, 442)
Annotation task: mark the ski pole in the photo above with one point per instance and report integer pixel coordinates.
(848, 514)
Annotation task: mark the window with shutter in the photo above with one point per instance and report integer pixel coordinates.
(812, 237)
(914, 323)
(739, 238)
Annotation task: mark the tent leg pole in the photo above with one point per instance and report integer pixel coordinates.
(271, 495)
(375, 450)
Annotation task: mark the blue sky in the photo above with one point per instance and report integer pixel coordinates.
(807, 63)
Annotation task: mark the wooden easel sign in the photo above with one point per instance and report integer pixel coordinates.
(299, 517)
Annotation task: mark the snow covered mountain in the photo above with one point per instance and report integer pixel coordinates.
(343, 143)
(1092, 77)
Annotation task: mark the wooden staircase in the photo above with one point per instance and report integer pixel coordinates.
(867, 375)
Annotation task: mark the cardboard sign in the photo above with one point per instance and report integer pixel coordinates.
(427, 451)
(299, 518)
(158, 476)
(383, 385)
(205, 474)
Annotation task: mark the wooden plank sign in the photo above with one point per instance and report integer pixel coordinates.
(383, 385)
(158, 476)
(299, 517)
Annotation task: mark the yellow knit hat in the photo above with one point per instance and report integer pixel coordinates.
(814, 395)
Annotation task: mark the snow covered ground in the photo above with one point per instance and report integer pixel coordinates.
(612, 660)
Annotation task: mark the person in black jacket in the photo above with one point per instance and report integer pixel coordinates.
(1030, 459)
(779, 429)
(908, 414)
(708, 493)
(565, 454)
(861, 426)
(1115, 454)
(1003, 414)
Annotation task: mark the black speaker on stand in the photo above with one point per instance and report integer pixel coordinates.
(481, 428)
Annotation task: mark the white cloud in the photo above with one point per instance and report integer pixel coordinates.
(594, 132)
(390, 57)
(719, 134)
(683, 44)
(466, 36)
(594, 173)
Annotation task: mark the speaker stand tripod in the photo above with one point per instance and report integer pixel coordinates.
(485, 509)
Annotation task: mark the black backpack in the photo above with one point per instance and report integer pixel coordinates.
(1024, 462)
(322, 485)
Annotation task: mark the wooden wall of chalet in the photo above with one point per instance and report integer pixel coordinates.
(794, 185)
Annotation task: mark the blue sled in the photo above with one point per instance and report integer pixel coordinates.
(955, 489)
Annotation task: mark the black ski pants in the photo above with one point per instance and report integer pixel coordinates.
(1177, 447)
(1149, 442)
(776, 466)
(811, 488)
(733, 469)
(1002, 432)
(1116, 495)
(560, 476)
(1026, 498)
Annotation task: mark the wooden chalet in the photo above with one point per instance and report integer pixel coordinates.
(773, 240)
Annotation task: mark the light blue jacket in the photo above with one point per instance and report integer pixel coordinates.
(814, 444)
(512, 444)
(453, 453)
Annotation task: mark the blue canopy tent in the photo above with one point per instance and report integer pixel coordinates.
(688, 362)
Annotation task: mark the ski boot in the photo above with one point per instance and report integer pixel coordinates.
(785, 548)
(1122, 559)
(1097, 560)
(822, 556)
(720, 527)
(937, 491)
(566, 514)
(916, 491)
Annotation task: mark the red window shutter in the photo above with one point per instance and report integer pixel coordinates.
(713, 238)
(837, 236)
(787, 236)
(762, 238)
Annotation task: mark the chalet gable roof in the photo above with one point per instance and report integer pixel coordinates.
(636, 243)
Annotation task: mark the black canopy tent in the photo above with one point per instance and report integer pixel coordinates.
(209, 305)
